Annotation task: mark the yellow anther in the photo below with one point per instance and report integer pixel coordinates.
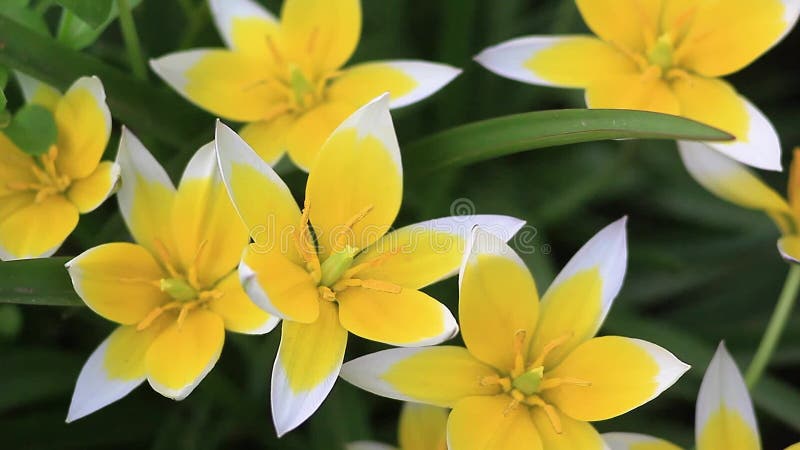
(515, 401)
(492, 380)
(375, 262)
(155, 314)
(549, 347)
(326, 293)
(303, 241)
(549, 410)
(312, 40)
(185, 311)
(273, 49)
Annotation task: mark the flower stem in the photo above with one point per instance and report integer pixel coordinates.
(131, 38)
(783, 309)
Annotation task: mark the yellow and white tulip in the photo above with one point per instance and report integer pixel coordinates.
(533, 374)
(665, 56)
(285, 77)
(174, 292)
(332, 268)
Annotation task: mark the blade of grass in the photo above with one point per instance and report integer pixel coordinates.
(479, 141)
(42, 281)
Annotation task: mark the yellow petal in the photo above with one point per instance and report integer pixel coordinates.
(789, 247)
(268, 139)
(409, 318)
(575, 434)
(423, 427)
(145, 196)
(726, 36)
(570, 61)
(15, 166)
(237, 311)
(578, 300)
(479, 423)
(635, 91)
(119, 281)
(438, 376)
(233, 85)
(309, 131)
(321, 34)
(716, 103)
(37, 229)
(734, 182)
(794, 447)
(624, 373)
(498, 301)
(279, 285)
(209, 235)
(13, 202)
(38, 93)
(421, 254)
(259, 195)
(84, 126)
(88, 193)
(633, 441)
(113, 370)
(625, 23)
(183, 354)
(358, 172)
(244, 26)
(406, 82)
(308, 363)
(725, 418)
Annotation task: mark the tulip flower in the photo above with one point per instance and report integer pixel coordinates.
(666, 56)
(41, 196)
(532, 376)
(725, 419)
(286, 78)
(422, 427)
(174, 292)
(331, 268)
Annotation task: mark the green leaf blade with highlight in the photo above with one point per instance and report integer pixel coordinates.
(506, 135)
(41, 281)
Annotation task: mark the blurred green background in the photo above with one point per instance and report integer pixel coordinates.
(700, 270)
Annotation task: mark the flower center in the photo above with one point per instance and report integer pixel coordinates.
(184, 289)
(48, 180)
(337, 273)
(526, 382)
(661, 52)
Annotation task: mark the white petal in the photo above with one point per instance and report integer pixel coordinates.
(373, 119)
(95, 389)
(723, 387)
(608, 252)
(430, 77)
(366, 372)
(508, 58)
(627, 441)
(761, 148)
(224, 12)
(368, 445)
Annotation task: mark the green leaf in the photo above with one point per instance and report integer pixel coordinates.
(502, 136)
(145, 109)
(42, 281)
(22, 15)
(33, 129)
(77, 34)
(93, 12)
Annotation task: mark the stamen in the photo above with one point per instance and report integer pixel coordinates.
(549, 410)
(312, 40)
(326, 293)
(185, 311)
(375, 262)
(677, 74)
(155, 314)
(550, 383)
(191, 273)
(375, 285)
(358, 217)
(519, 357)
(516, 399)
(276, 53)
(491, 380)
(163, 253)
(552, 345)
(302, 239)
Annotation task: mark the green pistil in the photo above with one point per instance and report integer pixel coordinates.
(178, 289)
(528, 383)
(335, 266)
(301, 87)
(660, 54)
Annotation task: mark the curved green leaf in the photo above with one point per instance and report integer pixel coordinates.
(137, 104)
(501, 136)
(93, 12)
(42, 281)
